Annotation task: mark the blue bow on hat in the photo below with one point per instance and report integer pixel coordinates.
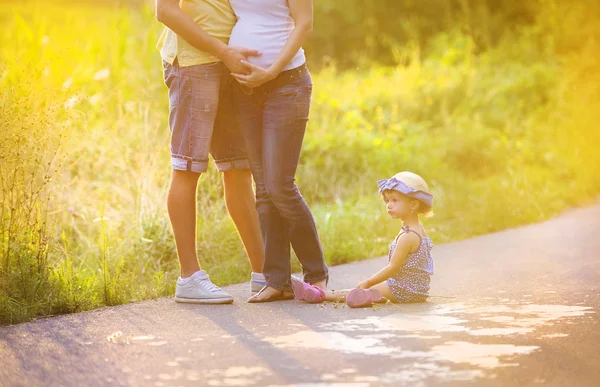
(403, 188)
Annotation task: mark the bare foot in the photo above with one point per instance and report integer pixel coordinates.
(321, 284)
(268, 294)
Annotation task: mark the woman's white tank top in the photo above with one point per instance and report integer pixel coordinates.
(264, 25)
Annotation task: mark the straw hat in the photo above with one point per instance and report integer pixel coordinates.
(409, 184)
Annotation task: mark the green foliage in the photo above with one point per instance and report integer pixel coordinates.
(495, 103)
(358, 32)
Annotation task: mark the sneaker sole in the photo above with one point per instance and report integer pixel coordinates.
(184, 300)
(307, 292)
(360, 298)
(298, 289)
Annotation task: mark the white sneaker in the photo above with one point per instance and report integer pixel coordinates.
(198, 289)
(257, 282)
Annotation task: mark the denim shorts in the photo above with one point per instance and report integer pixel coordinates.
(201, 118)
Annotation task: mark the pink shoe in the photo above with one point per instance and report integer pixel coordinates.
(307, 292)
(359, 298)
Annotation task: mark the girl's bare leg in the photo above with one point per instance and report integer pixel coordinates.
(385, 291)
(340, 295)
(336, 295)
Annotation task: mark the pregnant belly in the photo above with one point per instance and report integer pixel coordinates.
(268, 41)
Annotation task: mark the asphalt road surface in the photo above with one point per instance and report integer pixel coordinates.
(515, 308)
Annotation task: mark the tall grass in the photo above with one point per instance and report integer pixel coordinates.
(504, 137)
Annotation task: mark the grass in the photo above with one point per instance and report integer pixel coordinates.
(504, 138)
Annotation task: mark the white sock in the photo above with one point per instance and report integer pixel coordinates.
(257, 277)
(199, 273)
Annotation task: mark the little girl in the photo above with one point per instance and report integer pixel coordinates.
(406, 277)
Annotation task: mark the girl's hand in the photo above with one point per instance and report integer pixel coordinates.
(364, 285)
(257, 77)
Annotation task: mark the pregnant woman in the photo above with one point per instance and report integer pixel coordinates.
(272, 103)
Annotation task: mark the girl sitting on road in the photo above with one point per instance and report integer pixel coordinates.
(407, 275)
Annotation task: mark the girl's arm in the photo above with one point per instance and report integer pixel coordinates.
(406, 243)
(302, 13)
(169, 14)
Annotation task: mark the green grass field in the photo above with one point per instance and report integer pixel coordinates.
(504, 137)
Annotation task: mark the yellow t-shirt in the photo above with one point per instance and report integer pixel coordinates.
(214, 16)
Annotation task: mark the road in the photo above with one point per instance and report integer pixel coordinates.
(515, 308)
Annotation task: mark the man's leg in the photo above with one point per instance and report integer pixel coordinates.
(240, 201)
(193, 104)
(229, 151)
(194, 285)
(181, 203)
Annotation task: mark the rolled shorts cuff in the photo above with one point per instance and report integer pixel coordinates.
(231, 164)
(187, 164)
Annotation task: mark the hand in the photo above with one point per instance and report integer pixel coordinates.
(258, 76)
(364, 285)
(233, 57)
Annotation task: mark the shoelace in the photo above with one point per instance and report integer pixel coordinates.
(207, 285)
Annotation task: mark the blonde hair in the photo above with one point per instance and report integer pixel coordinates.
(415, 182)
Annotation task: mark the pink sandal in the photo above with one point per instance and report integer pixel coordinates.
(306, 292)
(359, 298)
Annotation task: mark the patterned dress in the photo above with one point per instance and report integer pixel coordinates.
(411, 282)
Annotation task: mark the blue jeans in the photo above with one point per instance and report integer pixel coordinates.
(273, 122)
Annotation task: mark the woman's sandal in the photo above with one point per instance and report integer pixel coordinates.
(306, 292)
(280, 296)
(359, 298)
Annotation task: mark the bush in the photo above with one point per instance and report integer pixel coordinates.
(504, 132)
